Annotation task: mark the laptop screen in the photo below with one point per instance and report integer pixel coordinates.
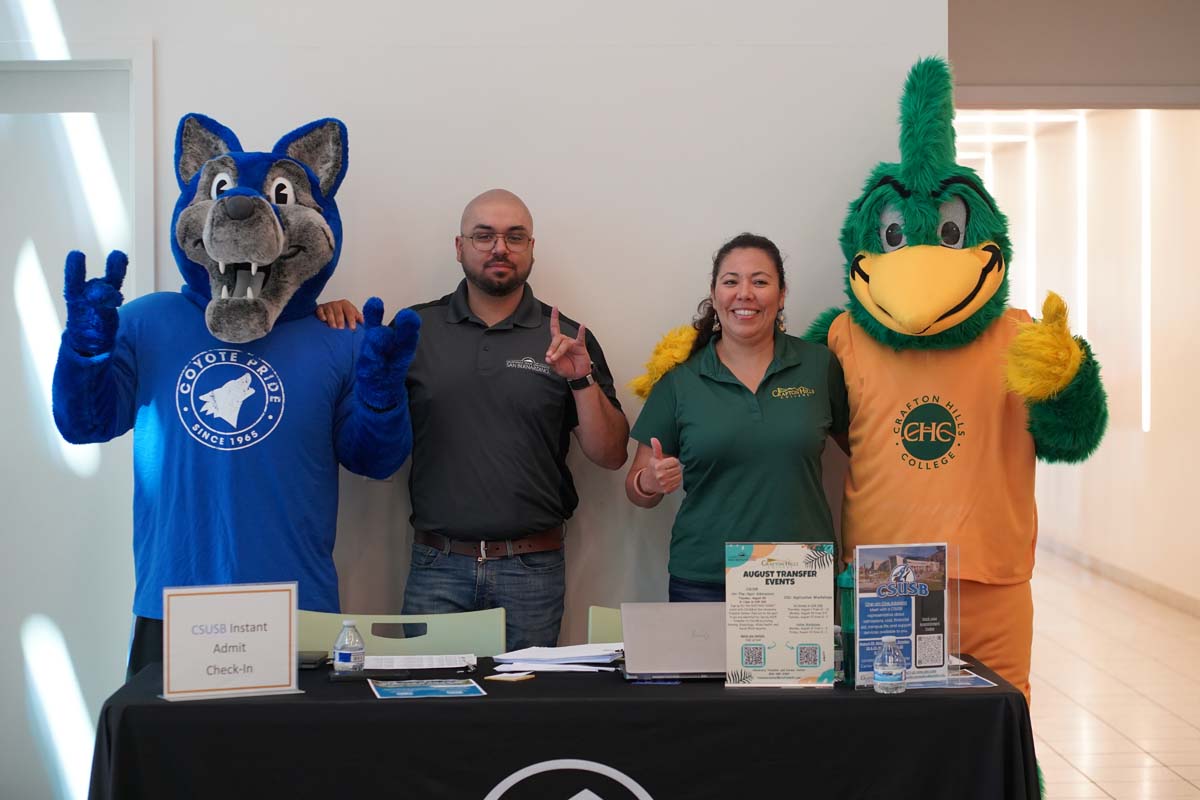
(674, 638)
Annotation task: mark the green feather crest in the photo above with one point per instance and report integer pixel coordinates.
(927, 126)
(926, 177)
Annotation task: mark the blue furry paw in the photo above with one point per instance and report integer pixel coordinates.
(92, 304)
(386, 354)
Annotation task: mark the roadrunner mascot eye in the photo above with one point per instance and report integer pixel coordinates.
(241, 402)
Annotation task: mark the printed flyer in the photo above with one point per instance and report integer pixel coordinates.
(391, 690)
(901, 592)
(779, 614)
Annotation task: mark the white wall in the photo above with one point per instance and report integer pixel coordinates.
(641, 135)
(67, 559)
(1125, 511)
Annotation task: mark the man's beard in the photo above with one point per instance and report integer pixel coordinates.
(496, 287)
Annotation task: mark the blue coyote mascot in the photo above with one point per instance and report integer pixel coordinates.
(242, 403)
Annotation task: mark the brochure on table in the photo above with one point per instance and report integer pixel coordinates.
(228, 641)
(396, 690)
(779, 614)
(902, 591)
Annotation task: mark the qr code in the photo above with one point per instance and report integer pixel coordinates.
(808, 655)
(754, 655)
(929, 651)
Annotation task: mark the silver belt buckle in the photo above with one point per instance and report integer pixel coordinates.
(482, 551)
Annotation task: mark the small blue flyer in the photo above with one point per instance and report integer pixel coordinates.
(388, 690)
(901, 592)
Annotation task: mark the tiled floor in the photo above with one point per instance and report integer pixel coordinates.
(1116, 709)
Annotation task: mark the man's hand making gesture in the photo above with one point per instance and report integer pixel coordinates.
(567, 356)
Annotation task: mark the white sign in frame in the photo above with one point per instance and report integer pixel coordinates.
(229, 641)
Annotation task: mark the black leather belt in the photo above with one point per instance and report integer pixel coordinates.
(487, 549)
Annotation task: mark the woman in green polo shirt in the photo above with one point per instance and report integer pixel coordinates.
(740, 425)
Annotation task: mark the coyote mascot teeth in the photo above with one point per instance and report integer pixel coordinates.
(242, 403)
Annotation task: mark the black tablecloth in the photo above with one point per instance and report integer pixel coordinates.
(696, 739)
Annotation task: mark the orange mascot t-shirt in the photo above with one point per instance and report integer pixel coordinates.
(941, 450)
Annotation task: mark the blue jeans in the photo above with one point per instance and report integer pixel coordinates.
(681, 590)
(529, 587)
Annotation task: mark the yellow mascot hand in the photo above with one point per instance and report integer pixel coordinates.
(1044, 357)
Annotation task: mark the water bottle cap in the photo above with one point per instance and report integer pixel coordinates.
(349, 623)
(888, 639)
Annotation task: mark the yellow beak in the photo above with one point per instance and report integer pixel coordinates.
(925, 289)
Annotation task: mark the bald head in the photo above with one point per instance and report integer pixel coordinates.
(496, 204)
(495, 243)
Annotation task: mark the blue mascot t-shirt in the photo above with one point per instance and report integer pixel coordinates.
(235, 449)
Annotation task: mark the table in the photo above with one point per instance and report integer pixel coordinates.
(615, 740)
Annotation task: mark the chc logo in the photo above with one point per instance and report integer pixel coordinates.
(929, 431)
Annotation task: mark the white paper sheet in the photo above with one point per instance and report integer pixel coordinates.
(419, 662)
(596, 653)
(549, 666)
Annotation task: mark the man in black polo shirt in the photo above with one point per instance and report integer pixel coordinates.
(498, 384)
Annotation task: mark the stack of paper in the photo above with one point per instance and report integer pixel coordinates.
(419, 662)
(574, 658)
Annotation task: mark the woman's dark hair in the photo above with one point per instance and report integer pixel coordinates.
(706, 315)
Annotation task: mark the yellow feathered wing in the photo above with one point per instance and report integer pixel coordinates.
(671, 351)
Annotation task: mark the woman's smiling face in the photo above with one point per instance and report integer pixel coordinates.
(747, 296)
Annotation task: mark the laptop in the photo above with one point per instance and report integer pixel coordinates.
(673, 641)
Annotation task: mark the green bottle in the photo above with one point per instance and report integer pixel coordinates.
(845, 592)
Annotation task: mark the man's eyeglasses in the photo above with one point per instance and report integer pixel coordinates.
(516, 241)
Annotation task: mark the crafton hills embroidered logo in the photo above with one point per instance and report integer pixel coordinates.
(787, 392)
(929, 431)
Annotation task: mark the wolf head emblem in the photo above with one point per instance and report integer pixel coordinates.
(226, 401)
(256, 235)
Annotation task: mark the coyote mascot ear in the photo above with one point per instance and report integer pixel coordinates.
(199, 139)
(320, 146)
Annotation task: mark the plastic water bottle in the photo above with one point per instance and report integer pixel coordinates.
(348, 650)
(890, 667)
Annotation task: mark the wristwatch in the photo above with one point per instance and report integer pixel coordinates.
(575, 384)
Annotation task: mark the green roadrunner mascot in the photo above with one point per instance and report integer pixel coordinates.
(953, 394)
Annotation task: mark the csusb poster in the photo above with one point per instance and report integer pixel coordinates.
(778, 614)
(901, 592)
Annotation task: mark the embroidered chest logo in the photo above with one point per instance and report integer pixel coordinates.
(529, 363)
(928, 431)
(787, 392)
(229, 399)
